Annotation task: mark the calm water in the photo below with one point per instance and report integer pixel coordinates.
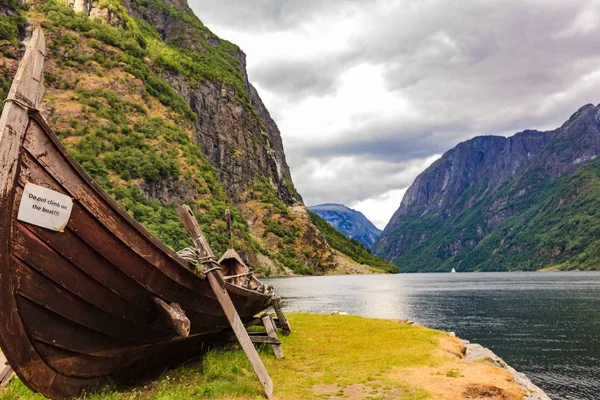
(544, 324)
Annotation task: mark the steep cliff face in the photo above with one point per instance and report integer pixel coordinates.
(350, 222)
(472, 205)
(160, 111)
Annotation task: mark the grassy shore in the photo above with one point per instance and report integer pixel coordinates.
(330, 357)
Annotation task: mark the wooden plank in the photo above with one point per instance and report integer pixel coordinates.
(76, 365)
(26, 91)
(175, 316)
(254, 338)
(261, 372)
(36, 254)
(272, 333)
(186, 215)
(213, 273)
(282, 321)
(6, 375)
(6, 371)
(35, 287)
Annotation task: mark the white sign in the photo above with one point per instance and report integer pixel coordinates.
(45, 207)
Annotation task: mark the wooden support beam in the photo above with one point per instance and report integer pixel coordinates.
(213, 273)
(272, 333)
(6, 371)
(175, 317)
(255, 321)
(263, 339)
(282, 321)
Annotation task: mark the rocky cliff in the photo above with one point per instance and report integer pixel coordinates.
(495, 203)
(160, 111)
(350, 222)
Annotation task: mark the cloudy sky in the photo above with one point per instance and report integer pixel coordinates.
(368, 93)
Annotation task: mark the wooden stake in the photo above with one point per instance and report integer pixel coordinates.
(213, 273)
(272, 333)
(282, 321)
(6, 373)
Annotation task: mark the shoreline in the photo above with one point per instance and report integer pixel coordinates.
(428, 273)
(476, 352)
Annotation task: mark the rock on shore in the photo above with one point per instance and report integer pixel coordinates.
(476, 352)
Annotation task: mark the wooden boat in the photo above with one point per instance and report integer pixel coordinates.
(79, 292)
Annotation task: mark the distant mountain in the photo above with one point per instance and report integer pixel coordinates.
(525, 202)
(350, 222)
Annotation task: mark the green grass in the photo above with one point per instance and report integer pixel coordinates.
(322, 350)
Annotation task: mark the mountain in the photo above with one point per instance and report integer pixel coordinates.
(160, 111)
(352, 249)
(350, 222)
(525, 202)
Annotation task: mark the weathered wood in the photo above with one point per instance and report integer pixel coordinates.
(175, 316)
(272, 333)
(255, 339)
(26, 91)
(186, 215)
(255, 321)
(6, 375)
(282, 321)
(6, 371)
(213, 273)
(218, 284)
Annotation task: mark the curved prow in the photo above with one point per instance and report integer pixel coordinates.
(26, 92)
(28, 84)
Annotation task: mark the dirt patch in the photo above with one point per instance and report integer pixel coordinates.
(479, 391)
(457, 379)
(372, 390)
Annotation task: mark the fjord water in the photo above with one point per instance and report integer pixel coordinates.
(546, 325)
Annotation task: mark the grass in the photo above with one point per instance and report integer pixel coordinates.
(323, 352)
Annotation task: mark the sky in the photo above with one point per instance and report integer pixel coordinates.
(367, 94)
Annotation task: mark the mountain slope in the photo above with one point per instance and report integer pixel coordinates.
(160, 111)
(351, 247)
(350, 222)
(493, 203)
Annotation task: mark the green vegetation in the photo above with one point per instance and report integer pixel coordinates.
(325, 351)
(350, 247)
(549, 224)
(121, 139)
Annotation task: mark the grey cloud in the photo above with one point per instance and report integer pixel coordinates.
(298, 79)
(360, 179)
(468, 67)
(268, 15)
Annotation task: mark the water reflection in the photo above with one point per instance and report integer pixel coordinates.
(545, 324)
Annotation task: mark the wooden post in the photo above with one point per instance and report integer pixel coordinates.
(6, 373)
(283, 323)
(272, 333)
(213, 273)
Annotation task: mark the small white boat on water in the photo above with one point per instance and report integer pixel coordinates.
(453, 271)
